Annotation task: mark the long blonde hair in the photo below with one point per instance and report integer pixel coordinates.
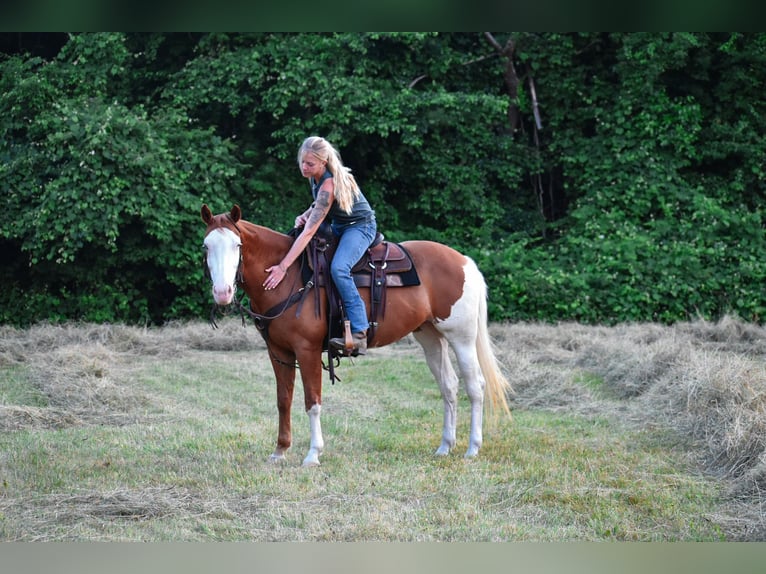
(346, 188)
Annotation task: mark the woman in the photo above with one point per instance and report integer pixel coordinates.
(336, 194)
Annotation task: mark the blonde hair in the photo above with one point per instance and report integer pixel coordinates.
(346, 188)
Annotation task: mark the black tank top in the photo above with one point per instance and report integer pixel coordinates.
(360, 211)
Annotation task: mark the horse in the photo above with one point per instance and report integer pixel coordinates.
(447, 309)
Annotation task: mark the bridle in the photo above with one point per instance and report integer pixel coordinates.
(260, 320)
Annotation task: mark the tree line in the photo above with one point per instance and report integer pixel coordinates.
(594, 177)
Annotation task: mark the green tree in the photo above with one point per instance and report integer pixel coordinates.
(600, 177)
(101, 197)
(430, 150)
(661, 165)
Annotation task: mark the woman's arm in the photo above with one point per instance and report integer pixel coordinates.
(316, 215)
(301, 220)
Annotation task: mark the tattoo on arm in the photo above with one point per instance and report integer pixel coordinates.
(321, 209)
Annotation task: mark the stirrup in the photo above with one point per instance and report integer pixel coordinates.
(350, 345)
(359, 347)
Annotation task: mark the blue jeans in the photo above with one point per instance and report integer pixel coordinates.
(352, 243)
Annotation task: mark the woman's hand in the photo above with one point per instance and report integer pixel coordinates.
(276, 274)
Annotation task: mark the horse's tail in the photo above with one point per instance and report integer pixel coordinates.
(497, 386)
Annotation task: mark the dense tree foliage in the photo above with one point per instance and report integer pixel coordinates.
(594, 177)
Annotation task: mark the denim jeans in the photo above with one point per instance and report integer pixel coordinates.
(352, 243)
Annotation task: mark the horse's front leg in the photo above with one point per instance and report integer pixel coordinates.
(317, 441)
(285, 374)
(311, 374)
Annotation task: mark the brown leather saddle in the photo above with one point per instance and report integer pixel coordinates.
(384, 259)
(383, 265)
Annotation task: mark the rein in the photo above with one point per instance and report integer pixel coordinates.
(262, 320)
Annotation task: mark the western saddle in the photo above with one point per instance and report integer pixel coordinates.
(383, 265)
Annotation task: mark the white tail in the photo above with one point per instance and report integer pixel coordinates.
(497, 386)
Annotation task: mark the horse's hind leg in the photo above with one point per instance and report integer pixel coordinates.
(437, 357)
(468, 364)
(461, 330)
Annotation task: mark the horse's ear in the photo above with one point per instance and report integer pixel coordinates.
(236, 213)
(207, 215)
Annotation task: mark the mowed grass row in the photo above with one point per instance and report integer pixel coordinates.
(128, 434)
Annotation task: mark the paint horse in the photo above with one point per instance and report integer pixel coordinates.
(447, 309)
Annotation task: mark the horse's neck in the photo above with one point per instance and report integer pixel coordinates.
(261, 248)
(264, 244)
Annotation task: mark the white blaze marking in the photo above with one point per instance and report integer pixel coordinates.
(222, 261)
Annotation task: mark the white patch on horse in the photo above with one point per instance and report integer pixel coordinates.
(462, 316)
(223, 247)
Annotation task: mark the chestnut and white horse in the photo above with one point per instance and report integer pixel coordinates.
(447, 309)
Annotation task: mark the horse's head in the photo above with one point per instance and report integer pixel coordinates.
(222, 252)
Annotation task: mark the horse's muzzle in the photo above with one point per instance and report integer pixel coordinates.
(223, 295)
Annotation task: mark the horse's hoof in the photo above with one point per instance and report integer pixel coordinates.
(442, 451)
(276, 458)
(310, 463)
(311, 460)
(312, 457)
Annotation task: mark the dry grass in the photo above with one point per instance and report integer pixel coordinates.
(84, 373)
(707, 381)
(700, 386)
(704, 381)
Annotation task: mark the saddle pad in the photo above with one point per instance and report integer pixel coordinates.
(406, 279)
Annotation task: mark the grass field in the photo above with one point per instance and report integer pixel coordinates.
(634, 432)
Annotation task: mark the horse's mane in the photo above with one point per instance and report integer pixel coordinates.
(251, 227)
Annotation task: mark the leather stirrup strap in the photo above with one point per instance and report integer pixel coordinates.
(348, 341)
